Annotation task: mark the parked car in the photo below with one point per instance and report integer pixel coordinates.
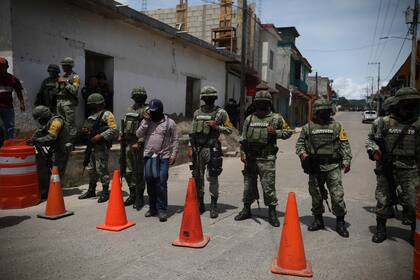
(369, 116)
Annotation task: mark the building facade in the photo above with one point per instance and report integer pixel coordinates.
(131, 48)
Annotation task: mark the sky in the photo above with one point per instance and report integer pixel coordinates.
(338, 37)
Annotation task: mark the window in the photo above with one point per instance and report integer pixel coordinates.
(271, 65)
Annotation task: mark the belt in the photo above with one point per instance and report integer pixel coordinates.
(326, 161)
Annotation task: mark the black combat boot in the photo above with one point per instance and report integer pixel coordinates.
(213, 208)
(105, 194)
(131, 198)
(245, 213)
(139, 202)
(151, 213)
(272, 216)
(317, 223)
(340, 227)
(380, 234)
(202, 206)
(163, 216)
(89, 193)
(405, 220)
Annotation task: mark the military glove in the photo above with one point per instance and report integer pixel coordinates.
(135, 147)
(346, 169)
(271, 130)
(303, 156)
(190, 152)
(243, 158)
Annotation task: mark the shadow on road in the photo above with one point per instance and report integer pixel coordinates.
(221, 207)
(262, 214)
(10, 221)
(329, 222)
(395, 232)
(72, 191)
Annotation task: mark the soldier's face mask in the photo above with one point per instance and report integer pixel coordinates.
(43, 121)
(262, 106)
(53, 74)
(209, 100)
(96, 107)
(156, 115)
(140, 99)
(324, 115)
(67, 68)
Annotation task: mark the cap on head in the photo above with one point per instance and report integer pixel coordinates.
(406, 93)
(321, 104)
(40, 112)
(3, 61)
(263, 95)
(138, 91)
(53, 68)
(95, 98)
(155, 105)
(67, 61)
(208, 91)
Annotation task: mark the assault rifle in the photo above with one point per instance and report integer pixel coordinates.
(195, 163)
(250, 165)
(45, 153)
(96, 129)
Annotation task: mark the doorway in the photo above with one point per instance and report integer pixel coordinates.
(99, 71)
(192, 100)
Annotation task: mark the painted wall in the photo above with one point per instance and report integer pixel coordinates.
(140, 57)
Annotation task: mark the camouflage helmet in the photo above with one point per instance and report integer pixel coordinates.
(406, 93)
(41, 112)
(4, 61)
(263, 95)
(321, 104)
(208, 91)
(67, 61)
(138, 91)
(388, 103)
(95, 98)
(53, 68)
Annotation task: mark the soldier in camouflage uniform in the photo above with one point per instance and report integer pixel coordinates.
(208, 123)
(67, 100)
(47, 94)
(53, 135)
(134, 149)
(325, 140)
(102, 141)
(258, 152)
(394, 140)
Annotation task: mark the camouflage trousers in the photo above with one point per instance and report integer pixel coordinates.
(334, 184)
(135, 167)
(204, 159)
(60, 159)
(98, 165)
(67, 110)
(408, 180)
(266, 170)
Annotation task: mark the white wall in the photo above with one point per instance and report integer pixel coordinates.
(46, 31)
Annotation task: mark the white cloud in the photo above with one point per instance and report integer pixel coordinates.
(347, 88)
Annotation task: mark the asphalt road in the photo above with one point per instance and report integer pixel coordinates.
(72, 248)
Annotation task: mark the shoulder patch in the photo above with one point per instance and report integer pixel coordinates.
(343, 135)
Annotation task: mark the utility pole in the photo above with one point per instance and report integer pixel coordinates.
(316, 84)
(243, 63)
(379, 105)
(414, 46)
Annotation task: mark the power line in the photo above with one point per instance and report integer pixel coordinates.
(398, 56)
(376, 28)
(388, 4)
(344, 50)
(390, 27)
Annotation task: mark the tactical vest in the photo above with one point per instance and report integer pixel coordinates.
(257, 133)
(393, 130)
(49, 93)
(91, 120)
(202, 131)
(133, 119)
(324, 139)
(63, 93)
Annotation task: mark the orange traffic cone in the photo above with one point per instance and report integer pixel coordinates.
(116, 219)
(191, 233)
(55, 208)
(291, 258)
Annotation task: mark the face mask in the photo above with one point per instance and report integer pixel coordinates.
(139, 99)
(261, 106)
(408, 111)
(156, 115)
(324, 115)
(43, 121)
(209, 101)
(53, 74)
